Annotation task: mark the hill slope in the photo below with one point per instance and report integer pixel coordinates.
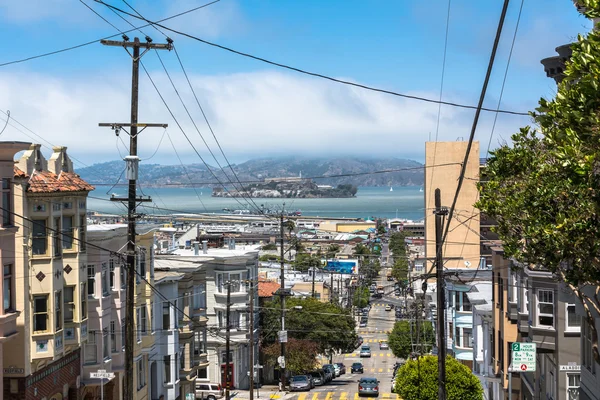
(333, 171)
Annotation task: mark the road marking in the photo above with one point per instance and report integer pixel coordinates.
(315, 396)
(389, 354)
(274, 396)
(381, 354)
(329, 396)
(302, 396)
(380, 369)
(343, 395)
(356, 396)
(372, 369)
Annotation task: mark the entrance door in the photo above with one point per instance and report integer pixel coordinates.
(227, 382)
(153, 381)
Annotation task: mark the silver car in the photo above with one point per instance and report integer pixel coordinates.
(368, 387)
(299, 382)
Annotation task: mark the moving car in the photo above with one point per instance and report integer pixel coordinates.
(368, 387)
(342, 368)
(337, 370)
(318, 378)
(384, 346)
(330, 369)
(363, 323)
(365, 351)
(388, 307)
(209, 391)
(356, 367)
(299, 382)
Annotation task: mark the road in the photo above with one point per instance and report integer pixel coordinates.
(380, 365)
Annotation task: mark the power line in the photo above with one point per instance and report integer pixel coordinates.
(302, 71)
(103, 38)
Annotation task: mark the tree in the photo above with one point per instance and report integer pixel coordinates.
(400, 270)
(300, 355)
(403, 336)
(332, 250)
(543, 188)
(397, 244)
(329, 325)
(269, 246)
(304, 262)
(361, 297)
(417, 380)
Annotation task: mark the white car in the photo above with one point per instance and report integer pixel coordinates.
(384, 346)
(388, 307)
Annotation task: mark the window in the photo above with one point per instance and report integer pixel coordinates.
(545, 300)
(551, 384)
(82, 221)
(58, 321)
(113, 337)
(122, 273)
(182, 357)
(587, 349)
(123, 333)
(40, 313)
(220, 319)
(141, 371)
(138, 314)
(7, 287)
(111, 276)
(166, 318)
(67, 232)
(91, 281)
(104, 280)
(220, 283)
(512, 286)
(143, 262)
(83, 298)
(526, 296)
(105, 344)
(69, 299)
(573, 383)
(89, 349)
(152, 317)
(167, 362)
(39, 239)
(7, 218)
(144, 321)
(468, 337)
(458, 338)
(56, 235)
(573, 320)
(234, 280)
(500, 292)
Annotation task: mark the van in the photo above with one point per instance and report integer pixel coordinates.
(209, 391)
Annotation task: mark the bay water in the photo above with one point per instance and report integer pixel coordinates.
(403, 202)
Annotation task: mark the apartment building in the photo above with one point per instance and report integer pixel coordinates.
(8, 231)
(50, 259)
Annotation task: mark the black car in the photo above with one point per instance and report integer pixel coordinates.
(342, 368)
(318, 378)
(356, 367)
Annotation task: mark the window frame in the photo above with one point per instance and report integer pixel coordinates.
(40, 237)
(540, 314)
(568, 383)
(104, 280)
(58, 313)
(88, 346)
(82, 233)
(56, 237)
(91, 280)
(111, 276)
(166, 306)
(105, 344)
(67, 234)
(84, 300)
(141, 374)
(34, 313)
(7, 200)
(69, 304)
(568, 326)
(8, 277)
(113, 336)
(144, 320)
(168, 369)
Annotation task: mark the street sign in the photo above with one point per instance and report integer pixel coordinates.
(102, 374)
(523, 357)
(282, 336)
(190, 396)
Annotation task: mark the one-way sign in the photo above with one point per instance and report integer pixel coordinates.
(523, 357)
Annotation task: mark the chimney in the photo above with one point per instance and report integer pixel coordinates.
(196, 249)
(59, 160)
(32, 160)
(205, 247)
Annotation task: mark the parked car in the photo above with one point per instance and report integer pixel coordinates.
(209, 391)
(299, 382)
(326, 375)
(356, 367)
(318, 378)
(337, 370)
(365, 351)
(363, 323)
(388, 307)
(342, 368)
(368, 387)
(360, 340)
(329, 367)
(384, 346)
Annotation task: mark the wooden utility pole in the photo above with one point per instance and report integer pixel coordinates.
(313, 281)
(227, 340)
(252, 369)
(440, 213)
(132, 167)
(282, 294)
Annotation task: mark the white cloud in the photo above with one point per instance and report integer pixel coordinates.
(253, 114)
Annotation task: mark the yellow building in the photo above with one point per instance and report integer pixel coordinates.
(442, 168)
(51, 293)
(346, 227)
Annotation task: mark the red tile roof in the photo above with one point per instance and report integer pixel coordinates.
(49, 182)
(20, 174)
(267, 288)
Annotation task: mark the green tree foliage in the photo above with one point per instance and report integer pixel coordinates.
(269, 246)
(381, 230)
(403, 336)
(268, 257)
(361, 297)
(300, 355)
(332, 250)
(330, 326)
(397, 244)
(400, 270)
(305, 261)
(543, 189)
(417, 380)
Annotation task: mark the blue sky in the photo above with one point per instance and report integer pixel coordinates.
(257, 109)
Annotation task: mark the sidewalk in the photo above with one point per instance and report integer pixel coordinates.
(265, 392)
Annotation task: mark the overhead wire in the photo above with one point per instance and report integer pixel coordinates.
(302, 71)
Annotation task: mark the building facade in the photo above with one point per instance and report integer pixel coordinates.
(50, 206)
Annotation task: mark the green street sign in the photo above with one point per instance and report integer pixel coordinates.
(523, 357)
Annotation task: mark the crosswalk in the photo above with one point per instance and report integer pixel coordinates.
(367, 331)
(341, 396)
(373, 354)
(371, 341)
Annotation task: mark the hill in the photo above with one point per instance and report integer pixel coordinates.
(330, 171)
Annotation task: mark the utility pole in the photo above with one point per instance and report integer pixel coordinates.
(132, 168)
(440, 213)
(313, 282)
(282, 294)
(227, 340)
(252, 369)
(331, 286)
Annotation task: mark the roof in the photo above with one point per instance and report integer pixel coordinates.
(267, 288)
(49, 182)
(20, 174)
(163, 276)
(480, 293)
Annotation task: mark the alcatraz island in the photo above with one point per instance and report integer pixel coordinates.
(288, 187)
